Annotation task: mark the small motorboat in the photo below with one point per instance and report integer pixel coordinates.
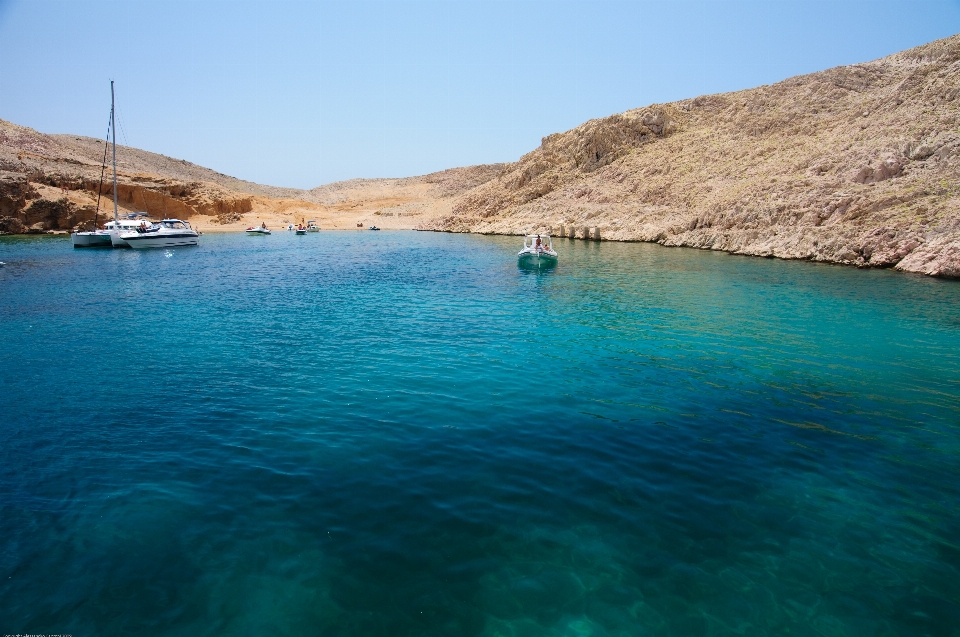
(169, 233)
(258, 230)
(373, 228)
(290, 226)
(312, 226)
(537, 252)
(118, 227)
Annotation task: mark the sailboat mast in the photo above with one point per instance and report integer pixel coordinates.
(113, 125)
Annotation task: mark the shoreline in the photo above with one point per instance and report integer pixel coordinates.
(235, 228)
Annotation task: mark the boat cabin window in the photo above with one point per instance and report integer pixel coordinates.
(176, 225)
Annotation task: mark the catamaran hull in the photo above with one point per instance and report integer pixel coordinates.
(167, 241)
(90, 240)
(117, 241)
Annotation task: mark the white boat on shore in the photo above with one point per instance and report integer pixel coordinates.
(169, 233)
(537, 252)
(312, 226)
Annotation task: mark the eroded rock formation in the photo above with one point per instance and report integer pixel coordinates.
(51, 182)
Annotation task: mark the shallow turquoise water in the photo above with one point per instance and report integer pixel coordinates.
(401, 433)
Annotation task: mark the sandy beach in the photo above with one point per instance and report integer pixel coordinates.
(400, 204)
(365, 205)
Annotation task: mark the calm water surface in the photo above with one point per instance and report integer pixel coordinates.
(401, 433)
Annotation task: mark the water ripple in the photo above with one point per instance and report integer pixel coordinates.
(403, 434)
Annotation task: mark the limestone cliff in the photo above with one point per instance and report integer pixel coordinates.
(856, 165)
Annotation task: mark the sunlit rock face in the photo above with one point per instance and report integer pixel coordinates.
(58, 182)
(854, 165)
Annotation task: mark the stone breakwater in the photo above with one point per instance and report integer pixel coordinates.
(857, 165)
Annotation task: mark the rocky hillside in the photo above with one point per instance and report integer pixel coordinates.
(25, 150)
(856, 165)
(50, 183)
(439, 185)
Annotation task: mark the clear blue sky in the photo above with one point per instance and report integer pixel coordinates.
(303, 93)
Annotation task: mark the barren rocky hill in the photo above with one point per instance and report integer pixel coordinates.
(24, 150)
(856, 164)
(50, 183)
(446, 183)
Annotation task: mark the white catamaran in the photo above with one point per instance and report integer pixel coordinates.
(97, 238)
(132, 233)
(92, 239)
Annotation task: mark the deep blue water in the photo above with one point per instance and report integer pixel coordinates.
(402, 433)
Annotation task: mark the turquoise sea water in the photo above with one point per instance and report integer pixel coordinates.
(402, 433)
